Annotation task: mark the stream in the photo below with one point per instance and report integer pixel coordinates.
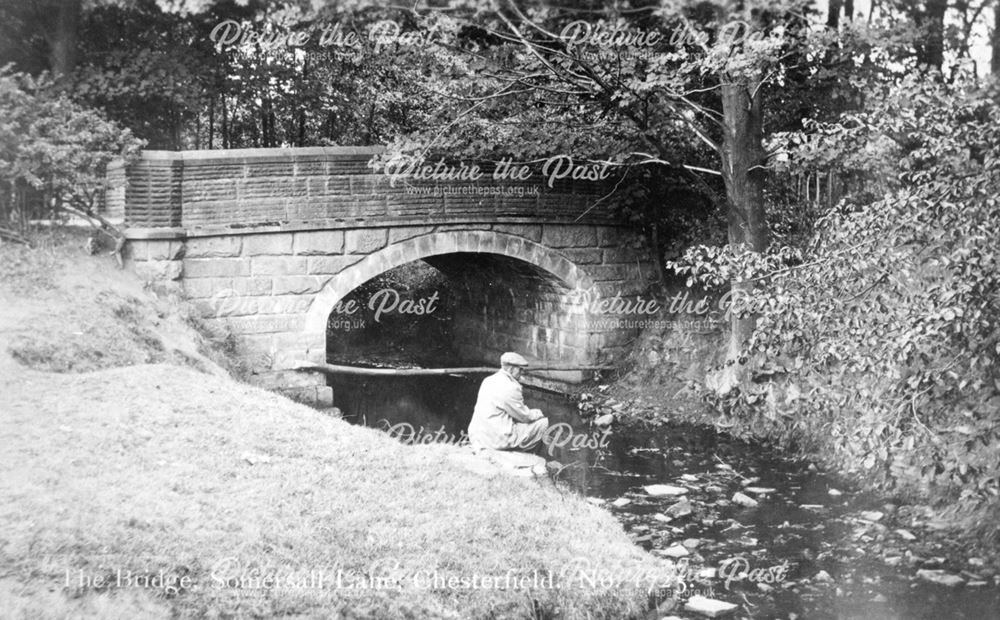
(772, 535)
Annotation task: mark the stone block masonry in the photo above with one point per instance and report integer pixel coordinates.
(265, 242)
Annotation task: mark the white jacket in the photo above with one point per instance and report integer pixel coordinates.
(499, 406)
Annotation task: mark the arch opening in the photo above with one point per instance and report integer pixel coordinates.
(455, 309)
(448, 310)
(509, 293)
(539, 261)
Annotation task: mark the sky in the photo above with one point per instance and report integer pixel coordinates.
(980, 51)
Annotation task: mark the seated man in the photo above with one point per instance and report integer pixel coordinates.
(501, 420)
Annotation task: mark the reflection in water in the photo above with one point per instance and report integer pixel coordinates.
(434, 404)
(798, 521)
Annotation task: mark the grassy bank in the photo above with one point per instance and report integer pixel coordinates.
(166, 489)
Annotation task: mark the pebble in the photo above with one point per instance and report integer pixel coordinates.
(940, 577)
(835, 492)
(760, 490)
(709, 607)
(872, 515)
(604, 420)
(744, 500)
(676, 551)
(664, 490)
(680, 509)
(691, 543)
(906, 535)
(822, 577)
(662, 518)
(621, 501)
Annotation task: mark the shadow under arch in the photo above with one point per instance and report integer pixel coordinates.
(435, 244)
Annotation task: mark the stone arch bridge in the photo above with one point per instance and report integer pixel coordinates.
(267, 241)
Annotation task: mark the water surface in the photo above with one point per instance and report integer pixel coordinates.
(835, 555)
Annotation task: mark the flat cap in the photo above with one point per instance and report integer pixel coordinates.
(512, 359)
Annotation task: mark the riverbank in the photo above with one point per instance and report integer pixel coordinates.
(665, 384)
(140, 480)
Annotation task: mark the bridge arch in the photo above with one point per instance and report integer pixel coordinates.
(436, 244)
(284, 234)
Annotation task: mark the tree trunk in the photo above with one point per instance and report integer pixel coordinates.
(176, 121)
(833, 14)
(658, 258)
(62, 37)
(995, 41)
(225, 123)
(743, 161)
(302, 109)
(211, 123)
(931, 52)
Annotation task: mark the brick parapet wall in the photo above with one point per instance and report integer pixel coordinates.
(328, 187)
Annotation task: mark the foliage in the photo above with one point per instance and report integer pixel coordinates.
(652, 108)
(881, 347)
(481, 83)
(54, 145)
(149, 70)
(162, 74)
(714, 267)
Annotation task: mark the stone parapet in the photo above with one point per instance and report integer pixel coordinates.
(331, 187)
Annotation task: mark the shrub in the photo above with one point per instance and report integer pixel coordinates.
(54, 149)
(880, 348)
